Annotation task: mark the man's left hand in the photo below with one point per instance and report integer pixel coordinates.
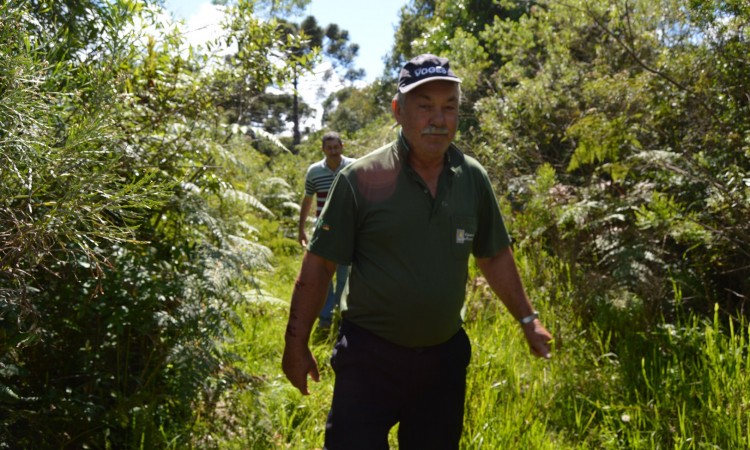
(539, 338)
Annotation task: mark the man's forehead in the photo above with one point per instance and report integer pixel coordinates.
(436, 89)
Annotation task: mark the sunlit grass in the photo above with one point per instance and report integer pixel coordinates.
(679, 386)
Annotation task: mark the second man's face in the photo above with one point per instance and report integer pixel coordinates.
(332, 149)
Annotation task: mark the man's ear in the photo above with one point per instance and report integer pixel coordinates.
(396, 110)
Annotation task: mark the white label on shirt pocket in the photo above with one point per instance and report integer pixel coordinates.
(463, 236)
(464, 230)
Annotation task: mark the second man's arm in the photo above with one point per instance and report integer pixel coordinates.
(307, 201)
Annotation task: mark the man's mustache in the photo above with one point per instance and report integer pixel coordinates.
(435, 130)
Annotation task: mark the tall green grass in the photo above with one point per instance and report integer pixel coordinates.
(681, 385)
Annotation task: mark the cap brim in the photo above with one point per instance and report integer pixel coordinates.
(408, 88)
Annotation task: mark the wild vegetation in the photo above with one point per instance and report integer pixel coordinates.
(148, 199)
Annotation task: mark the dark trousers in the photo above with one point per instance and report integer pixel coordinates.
(379, 384)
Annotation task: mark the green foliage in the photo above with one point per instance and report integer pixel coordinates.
(268, 53)
(600, 141)
(441, 27)
(126, 242)
(65, 183)
(148, 217)
(606, 93)
(658, 389)
(311, 43)
(272, 112)
(256, 40)
(73, 31)
(351, 109)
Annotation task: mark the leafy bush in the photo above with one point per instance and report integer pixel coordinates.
(125, 246)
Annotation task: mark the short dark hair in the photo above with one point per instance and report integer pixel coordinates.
(330, 136)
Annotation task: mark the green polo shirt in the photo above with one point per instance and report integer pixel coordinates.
(408, 251)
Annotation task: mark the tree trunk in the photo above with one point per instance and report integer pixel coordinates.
(295, 114)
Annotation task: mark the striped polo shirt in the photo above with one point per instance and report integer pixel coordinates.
(319, 179)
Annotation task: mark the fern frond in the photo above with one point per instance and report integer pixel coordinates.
(247, 199)
(276, 182)
(270, 137)
(247, 227)
(291, 205)
(236, 128)
(262, 297)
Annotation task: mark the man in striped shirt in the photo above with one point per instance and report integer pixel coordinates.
(318, 181)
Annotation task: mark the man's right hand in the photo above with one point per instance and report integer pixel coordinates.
(308, 297)
(298, 362)
(302, 238)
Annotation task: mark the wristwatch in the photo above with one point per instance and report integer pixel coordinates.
(530, 318)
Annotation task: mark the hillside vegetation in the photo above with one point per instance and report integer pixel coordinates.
(148, 207)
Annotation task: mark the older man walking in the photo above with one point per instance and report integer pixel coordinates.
(406, 217)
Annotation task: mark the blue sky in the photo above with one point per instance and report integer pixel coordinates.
(371, 24)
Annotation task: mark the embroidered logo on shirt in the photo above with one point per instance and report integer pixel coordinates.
(462, 236)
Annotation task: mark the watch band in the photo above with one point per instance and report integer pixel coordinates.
(530, 318)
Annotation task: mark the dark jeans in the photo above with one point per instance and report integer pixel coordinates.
(379, 384)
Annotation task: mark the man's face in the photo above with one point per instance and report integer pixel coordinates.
(332, 149)
(429, 117)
